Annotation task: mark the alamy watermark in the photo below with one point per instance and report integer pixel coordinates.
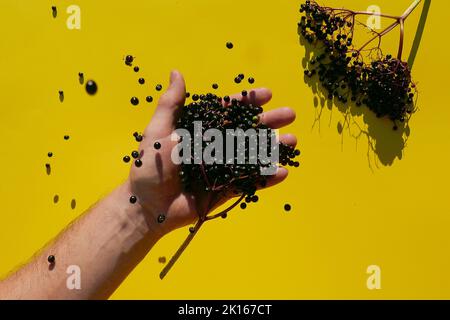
(250, 147)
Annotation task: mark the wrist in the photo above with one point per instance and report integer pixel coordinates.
(137, 218)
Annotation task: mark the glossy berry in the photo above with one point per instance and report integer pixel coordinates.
(141, 80)
(135, 154)
(136, 69)
(91, 87)
(229, 45)
(158, 87)
(161, 218)
(66, 137)
(133, 199)
(50, 154)
(149, 99)
(138, 163)
(126, 159)
(129, 60)
(215, 86)
(251, 80)
(243, 205)
(51, 259)
(134, 101)
(237, 80)
(287, 207)
(157, 145)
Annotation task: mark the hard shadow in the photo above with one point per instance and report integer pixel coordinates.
(386, 140)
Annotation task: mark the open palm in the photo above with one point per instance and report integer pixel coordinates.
(156, 183)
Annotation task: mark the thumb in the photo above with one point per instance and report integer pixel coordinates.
(169, 106)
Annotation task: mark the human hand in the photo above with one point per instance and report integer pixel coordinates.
(156, 183)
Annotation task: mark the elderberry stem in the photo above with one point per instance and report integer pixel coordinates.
(402, 36)
(191, 236)
(180, 250)
(410, 9)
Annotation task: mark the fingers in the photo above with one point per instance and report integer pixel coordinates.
(169, 105)
(288, 139)
(256, 97)
(278, 118)
(277, 178)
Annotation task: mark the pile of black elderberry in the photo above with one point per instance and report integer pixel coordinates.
(384, 84)
(222, 114)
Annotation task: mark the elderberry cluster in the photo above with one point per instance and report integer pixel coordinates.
(222, 114)
(383, 84)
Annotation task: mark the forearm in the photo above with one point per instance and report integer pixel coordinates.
(106, 244)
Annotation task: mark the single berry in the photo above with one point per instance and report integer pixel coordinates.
(134, 101)
(149, 99)
(133, 199)
(158, 87)
(91, 87)
(157, 145)
(51, 259)
(126, 159)
(138, 163)
(230, 45)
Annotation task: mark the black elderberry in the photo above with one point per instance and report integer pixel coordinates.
(158, 87)
(126, 159)
(195, 97)
(91, 87)
(251, 80)
(157, 145)
(215, 86)
(229, 45)
(133, 199)
(237, 80)
(50, 154)
(136, 69)
(135, 154)
(129, 60)
(138, 163)
(287, 207)
(141, 80)
(51, 259)
(66, 137)
(243, 205)
(134, 101)
(161, 218)
(244, 93)
(149, 99)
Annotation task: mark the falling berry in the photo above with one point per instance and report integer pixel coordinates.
(251, 80)
(91, 87)
(66, 137)
(51, 259)
(141, 80)
(126, 159)
(149, 99)
(136, 69)
(138, 163)
(158, 87)
(215, 86)
(230, 45)
(287, 207)
(135, 154)
(129, 60)
(50, 154)
(134, 101)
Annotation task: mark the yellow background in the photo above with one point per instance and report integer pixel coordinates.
(346, 213)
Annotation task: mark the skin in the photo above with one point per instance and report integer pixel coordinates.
(111, 239)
